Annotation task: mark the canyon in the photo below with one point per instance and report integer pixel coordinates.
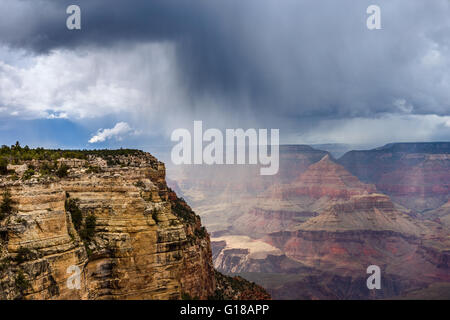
(308, 232)
(311, 231)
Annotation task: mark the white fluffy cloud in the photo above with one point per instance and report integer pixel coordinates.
(87, 83)
(120, 130)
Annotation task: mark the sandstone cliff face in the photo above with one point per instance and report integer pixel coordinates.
(147, 244)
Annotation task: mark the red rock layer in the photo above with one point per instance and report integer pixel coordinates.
(323, 179)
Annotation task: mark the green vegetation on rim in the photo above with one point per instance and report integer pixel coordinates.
(15, 154)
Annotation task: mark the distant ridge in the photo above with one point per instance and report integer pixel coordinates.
(416, 147)
(415, 175)
(297, 147)
(339, 151)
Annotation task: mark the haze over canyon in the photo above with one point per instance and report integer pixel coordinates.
(311, 231)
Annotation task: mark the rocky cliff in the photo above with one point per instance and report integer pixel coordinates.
(101, 227)
(286, 205)
(415, 175)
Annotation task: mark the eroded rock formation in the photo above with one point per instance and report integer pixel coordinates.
(133, 237)
(415, 175)
(329, 227)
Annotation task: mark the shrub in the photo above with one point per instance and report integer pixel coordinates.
(88, 232)
(90, 224)
(4, 264)
(75, 212)
(21, 282)
(6, 205)
(155, 215)
(177, 256)
(93, 169)
(24, 254)
(187, 296)
(45, 169)
(3, 166)
(62, 171)
(183, 212)
(140, 184)
(111, 161)
(201, 233)
(218, 295)
(88, 250)
(28, 174)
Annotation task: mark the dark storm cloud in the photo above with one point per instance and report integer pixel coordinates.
(275, 59)
(41, 24)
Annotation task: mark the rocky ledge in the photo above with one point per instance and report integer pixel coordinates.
(99, 225)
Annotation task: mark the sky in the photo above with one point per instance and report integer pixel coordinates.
(139, 69)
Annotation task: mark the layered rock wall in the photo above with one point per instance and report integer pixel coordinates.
(140, 249)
